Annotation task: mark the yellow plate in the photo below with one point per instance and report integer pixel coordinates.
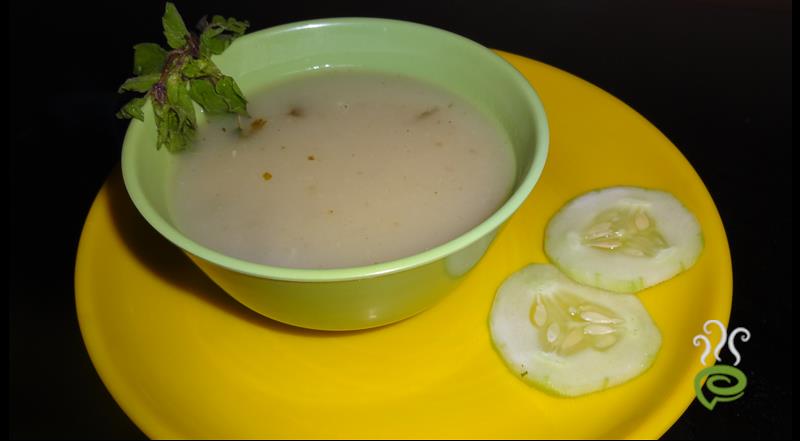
(185, 361)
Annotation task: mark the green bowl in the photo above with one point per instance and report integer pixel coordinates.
(373, 295)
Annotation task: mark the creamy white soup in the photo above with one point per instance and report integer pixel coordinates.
(341, 169)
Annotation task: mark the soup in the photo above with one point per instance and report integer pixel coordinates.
(340, 169)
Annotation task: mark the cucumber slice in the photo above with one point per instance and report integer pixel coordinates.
(623, 239)
(569, 339)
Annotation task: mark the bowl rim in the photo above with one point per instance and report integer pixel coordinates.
(494, 221)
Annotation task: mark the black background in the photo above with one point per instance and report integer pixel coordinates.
(714, 76)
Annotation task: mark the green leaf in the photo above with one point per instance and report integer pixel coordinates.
(166, 126)
(201, 67)
(202, 92)
(173, 131)
(133, 109)
(141, 83)
(226, 87)
(148, 58)
(237, 27)
(178, 97)
(162, 124)
(219, 34)
(212, 43)
(174, 27)
(175, 119)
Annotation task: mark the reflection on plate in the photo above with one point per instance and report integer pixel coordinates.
(186, 361)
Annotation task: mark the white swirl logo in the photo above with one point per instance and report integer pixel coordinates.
(724, 337)
(732, 345)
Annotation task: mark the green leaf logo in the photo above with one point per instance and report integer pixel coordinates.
(726, 383)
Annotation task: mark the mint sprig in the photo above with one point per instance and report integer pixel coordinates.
(172, 79)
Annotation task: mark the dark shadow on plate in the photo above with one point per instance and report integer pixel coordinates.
(169, 263)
